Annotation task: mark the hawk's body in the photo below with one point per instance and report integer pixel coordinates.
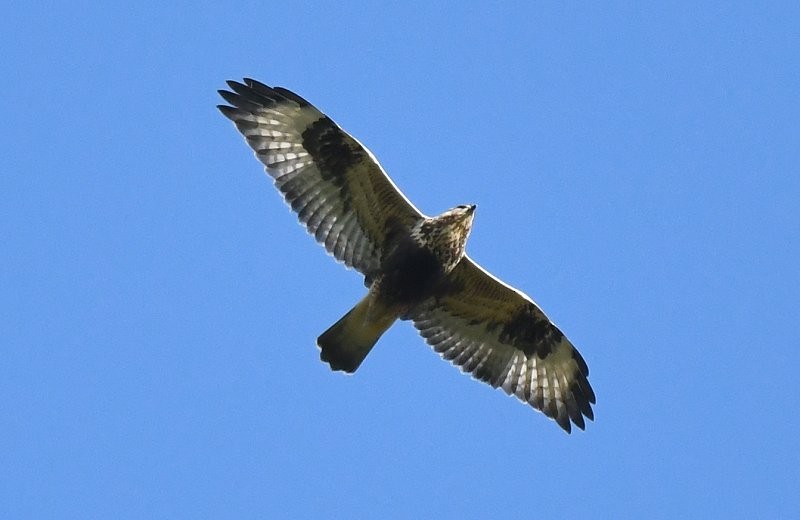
(414, 266)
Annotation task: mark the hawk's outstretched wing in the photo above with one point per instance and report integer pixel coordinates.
(501, 337)
(335, 184)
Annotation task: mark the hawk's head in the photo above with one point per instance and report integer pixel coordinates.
(446, 234)
(459, 218)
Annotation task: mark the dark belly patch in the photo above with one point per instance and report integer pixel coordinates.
(410, 274)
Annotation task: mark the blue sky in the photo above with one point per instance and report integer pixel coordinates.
(636, 170)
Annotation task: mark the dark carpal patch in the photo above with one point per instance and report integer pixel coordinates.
(531, 333)
(331, 149)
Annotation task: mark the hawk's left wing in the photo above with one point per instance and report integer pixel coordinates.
(501, 337)
(334, 184)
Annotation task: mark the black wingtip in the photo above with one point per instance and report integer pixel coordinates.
(253, 95)
(563, 421)
(229, 112)
(230, 97)
(257, 85)
(234, 85)
(590, 393)
(579, 422)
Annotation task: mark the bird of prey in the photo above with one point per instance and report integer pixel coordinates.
(414, 266)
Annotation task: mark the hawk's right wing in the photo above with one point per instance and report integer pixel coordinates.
(503, 338)
(335, 184)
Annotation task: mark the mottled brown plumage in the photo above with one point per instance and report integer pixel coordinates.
(414, 266)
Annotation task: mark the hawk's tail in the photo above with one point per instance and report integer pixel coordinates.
(346, 344)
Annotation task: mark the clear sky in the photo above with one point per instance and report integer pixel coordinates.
(636, 170)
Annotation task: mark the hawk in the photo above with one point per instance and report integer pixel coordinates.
(414, 266)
